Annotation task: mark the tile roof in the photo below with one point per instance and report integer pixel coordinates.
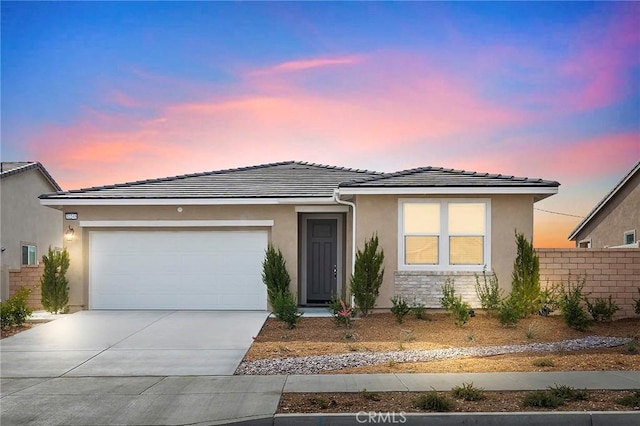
(290, 179)
(635, 170)
(441, 177)
(275, 180)
(10, 168)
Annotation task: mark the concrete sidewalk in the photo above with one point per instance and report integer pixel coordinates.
(209, 400)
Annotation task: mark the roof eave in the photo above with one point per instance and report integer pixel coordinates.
(542, 192)
(60, 201)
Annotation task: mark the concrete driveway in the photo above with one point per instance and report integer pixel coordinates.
(132, 343)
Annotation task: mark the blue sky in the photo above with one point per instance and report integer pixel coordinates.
(108, 92)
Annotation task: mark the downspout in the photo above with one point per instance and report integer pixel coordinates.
(336, 197)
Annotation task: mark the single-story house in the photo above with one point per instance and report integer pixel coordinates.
(197, 241)
(615, 220)
(28, 228)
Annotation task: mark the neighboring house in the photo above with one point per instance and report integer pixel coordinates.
(28, 229)
(615, 220)
(198, 241)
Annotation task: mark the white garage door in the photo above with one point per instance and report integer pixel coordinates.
(177, 270)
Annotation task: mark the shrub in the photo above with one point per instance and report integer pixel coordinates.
(631, 347)
(54, 284)
(448, 295)
(571, 299)
(525, 279)
(544, 362)
(544, 399)
(286, 309)
(419, 311)
(602, 310)
(274, 274)
(509, 312)
(369, 396)
(367, 275)
(341, 312)
(468, 392)
(432, 401)
(14, 310)
(6, 314)
(453, 304)
(20, 309)
(548, 301)
(461, 313)
(400, 308)
(637, 304)
(531, 331)
(630, 400)
(568, 393)
(488, 292)
(321, 402)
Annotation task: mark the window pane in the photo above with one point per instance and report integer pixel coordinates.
(421, 250)
(421, 218)
(467, 218)
(629, 238)
(28, 255)
(466, 250)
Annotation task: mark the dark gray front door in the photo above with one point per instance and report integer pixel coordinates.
(322, 258)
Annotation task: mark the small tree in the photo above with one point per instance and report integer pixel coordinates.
(54, 284)
(525, 279)
(274, 274)
(367, 275)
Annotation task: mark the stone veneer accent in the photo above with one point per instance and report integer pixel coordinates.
(426, 287)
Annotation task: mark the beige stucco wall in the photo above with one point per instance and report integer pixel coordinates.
(283, 234)
(379, 214)
(23, 219)
(621, 214)
(375, 214)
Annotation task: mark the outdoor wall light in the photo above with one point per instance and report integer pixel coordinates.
(69, 234)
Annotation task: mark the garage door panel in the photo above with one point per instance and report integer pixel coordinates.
(177, 270)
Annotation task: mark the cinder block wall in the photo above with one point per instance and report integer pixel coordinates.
(29, 277)
(614, 272)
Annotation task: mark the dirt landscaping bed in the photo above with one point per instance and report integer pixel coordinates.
(15, 329)
(381, 333)
(403, 402)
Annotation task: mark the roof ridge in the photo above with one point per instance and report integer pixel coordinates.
(30, 165)
(214, 172)
(27, 164)
(178, 177)
(604, 200)
(458, 172)
(342, 168)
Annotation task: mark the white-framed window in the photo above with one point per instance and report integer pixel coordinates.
(444, 234)
(28, 254)
(630, 237)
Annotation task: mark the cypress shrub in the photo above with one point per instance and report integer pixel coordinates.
(367, 275)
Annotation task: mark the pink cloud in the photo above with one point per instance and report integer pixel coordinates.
(567, 162)
(306, 64)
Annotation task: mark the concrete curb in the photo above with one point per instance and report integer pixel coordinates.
(569, 418)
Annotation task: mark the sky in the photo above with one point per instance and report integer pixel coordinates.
(109, 92)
